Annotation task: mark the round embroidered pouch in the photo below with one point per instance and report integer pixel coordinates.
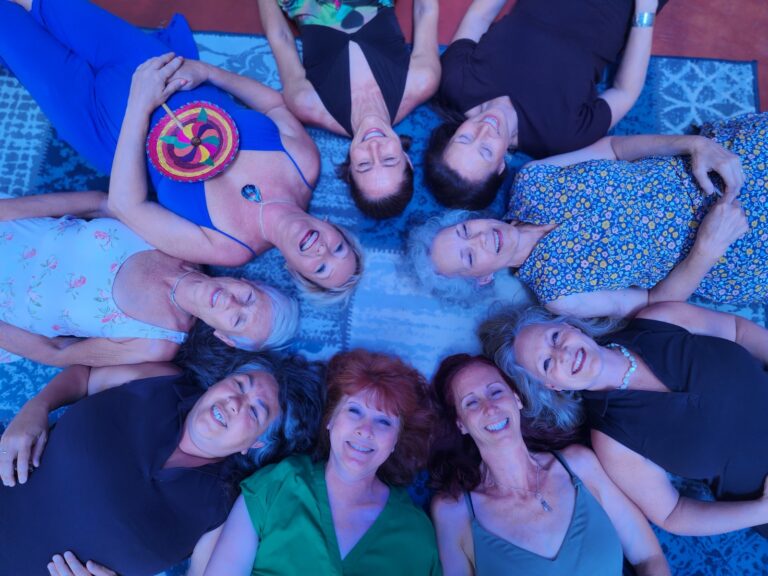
(202, 147)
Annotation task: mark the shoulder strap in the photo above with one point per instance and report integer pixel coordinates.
(470, 506)
(575, 480)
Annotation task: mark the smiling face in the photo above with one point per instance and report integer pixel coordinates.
(231, 306)
(486, 408)
(477, 149)
(362, 435)
(475, 248)
(232, 415)
(377, 162)
(559, 355)
(318, 251)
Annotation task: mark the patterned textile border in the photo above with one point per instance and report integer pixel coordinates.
(388, 312)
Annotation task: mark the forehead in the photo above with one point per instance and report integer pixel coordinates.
(379, 181)
(474, 377)
(445, 253)
(260, 321)
(529, 343)
(371, 400)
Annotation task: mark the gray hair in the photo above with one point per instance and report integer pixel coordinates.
(327, 296)
(285, 321)
(419, 258)
(562, 410)
(301, 395)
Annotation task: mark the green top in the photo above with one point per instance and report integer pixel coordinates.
(289, 507)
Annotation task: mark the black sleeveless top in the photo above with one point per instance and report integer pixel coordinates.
(101, 490)
(326, 60)
(711, 426)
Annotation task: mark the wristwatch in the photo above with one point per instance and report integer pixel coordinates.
(644, 20)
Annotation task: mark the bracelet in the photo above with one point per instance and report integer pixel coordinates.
(643, 20)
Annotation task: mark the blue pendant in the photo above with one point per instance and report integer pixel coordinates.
(251, 193)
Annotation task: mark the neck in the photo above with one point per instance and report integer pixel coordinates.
(175, 292)
(509, 466)
(615, 366)
(272, 215)
(530, 235)
(354, 488)
(369, 111)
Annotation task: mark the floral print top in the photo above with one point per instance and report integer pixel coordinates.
(624, 224)
(57, 276)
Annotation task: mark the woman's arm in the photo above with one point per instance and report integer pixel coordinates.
(479, 17)
(630, 77)
(424, 66)
(453, 535)
(649, 487)
(641, 547)
(236, 548)
(201, 555)
(66, 351)
(699, 320)
(91, 204)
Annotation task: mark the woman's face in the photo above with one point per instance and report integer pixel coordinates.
(559, 355)
(318, 251)
(232, 414)
(362, 435)
(477, 149)
(377, 162)
(486, 408)
(232, 307)
(474, 248)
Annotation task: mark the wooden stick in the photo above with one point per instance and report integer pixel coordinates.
(173, 116)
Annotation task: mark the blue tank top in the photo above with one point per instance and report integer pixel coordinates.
(590, 547)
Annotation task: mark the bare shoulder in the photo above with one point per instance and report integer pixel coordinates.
(584, 463)
(449, 510)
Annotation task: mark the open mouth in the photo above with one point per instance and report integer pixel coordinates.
(578, 361)
(500, 425)
(218, 415)
(498, 240)
(492, 121)
(215, 297)
(309, 240)
(373, 133)
(360, 448)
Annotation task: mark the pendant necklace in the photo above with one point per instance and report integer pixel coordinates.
(537, 493)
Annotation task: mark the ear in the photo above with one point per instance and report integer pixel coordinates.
(483, 280)
(502, 166)
(408, 159)
(461, 427)
(224, 338)
(519, 402)
(255, 446)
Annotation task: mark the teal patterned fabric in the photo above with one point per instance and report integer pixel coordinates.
(388, 312)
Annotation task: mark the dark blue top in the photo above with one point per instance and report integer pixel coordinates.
(101, 490)
(710, 426)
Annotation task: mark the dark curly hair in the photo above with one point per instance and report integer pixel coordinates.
(398, 389)
(454, 459)
(450, 188)
(388, 206)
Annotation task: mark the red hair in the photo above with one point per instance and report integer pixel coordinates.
(396, 388)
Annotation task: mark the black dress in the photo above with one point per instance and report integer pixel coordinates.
(101, 490)
(547, 56)
(711, 426)
(326, 61)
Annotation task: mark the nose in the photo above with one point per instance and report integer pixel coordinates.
(365, 429)
(477, 240)
(321, 247)
(235, 403)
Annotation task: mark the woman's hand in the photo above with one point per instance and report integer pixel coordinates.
(69, 565)
(722, 226)
(152, 83)
(646, 6)
(708, 156)
(192, 73)
(25, 436)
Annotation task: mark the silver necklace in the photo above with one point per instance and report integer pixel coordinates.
(632, 364)
(537, 493)
(175, 286)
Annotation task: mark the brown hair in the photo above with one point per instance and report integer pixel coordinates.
(396, 388)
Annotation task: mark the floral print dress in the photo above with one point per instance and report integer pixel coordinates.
(624, 224)
(57, 275)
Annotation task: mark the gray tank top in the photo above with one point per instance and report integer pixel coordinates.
(591, 546)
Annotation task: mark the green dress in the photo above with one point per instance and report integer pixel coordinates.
(288, 505)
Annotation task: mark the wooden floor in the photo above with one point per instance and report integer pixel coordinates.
(730, 29)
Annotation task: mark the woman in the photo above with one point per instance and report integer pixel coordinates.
(136, 474)
(680, 389)
(504, 508)
(75, 291)
(593, 236)
(358, 80)
(343, 513)
(257, 203)
(528, 82)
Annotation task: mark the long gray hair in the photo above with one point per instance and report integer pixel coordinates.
(549, 408)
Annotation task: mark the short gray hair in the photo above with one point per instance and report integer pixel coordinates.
(327, 296)
(419, 258)
(549, 408)
(285, 321)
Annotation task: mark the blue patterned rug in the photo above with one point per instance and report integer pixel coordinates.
(388, 312)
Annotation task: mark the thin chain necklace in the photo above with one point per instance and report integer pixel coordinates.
(537, 493)
(632, 364)
(175, 286)
(251, 193)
